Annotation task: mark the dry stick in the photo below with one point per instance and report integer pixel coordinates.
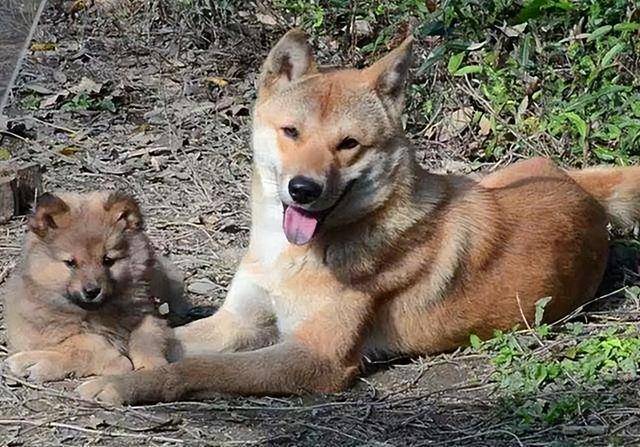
(324, 428)
(526, 322)
(165, 224)
(89, 430)
(52, 392)
(13, 135)
(581, 308)
(479, 435)
(5, 272)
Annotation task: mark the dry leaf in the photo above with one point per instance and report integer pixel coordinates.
(69, 150)
(220, 82)
(42, 46)
(485, 125)
(456, 122)
(266, 19)
(86, 85)
(52, 100)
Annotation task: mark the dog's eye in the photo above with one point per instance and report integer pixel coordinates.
(290, 132)
(71, 263)
(348, 143)
(107, 261)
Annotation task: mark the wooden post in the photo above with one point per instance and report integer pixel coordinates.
(19, 185)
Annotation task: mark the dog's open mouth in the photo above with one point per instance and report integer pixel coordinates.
(300, 225)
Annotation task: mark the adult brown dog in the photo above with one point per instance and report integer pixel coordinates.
(80, 302)
(357, 250)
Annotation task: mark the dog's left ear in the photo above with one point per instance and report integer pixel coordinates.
(388, 76)
(124, 210)
(290, 59)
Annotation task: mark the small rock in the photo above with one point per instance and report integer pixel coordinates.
(362, 28)
(163, 309)
(201, 287)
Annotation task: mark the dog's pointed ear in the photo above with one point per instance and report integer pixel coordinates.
(124, 211)
(388, 76)
(290, 59)
(49, 208)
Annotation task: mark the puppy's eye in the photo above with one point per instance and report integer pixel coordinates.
(348, 143)
(71, 263)
(290, 132)
(107, 261)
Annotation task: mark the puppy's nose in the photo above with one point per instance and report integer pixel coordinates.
(304, 190)
(91, 292)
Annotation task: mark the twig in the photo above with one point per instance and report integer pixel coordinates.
(529, 328)
(89, 430)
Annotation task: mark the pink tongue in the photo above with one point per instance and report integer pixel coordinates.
(299, 225)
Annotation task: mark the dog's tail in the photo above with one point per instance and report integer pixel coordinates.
(617, 190)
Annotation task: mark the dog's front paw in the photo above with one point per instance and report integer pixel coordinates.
(108, 390)
(37, 366)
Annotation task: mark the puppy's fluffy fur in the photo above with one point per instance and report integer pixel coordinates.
(80, 302)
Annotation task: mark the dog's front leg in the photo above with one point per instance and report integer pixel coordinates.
(245, 321)
(322, 354)
(148, 343)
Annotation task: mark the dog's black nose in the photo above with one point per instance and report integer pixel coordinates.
(92, 292)
(304, 190)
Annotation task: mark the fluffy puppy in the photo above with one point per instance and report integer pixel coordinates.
(81, 303)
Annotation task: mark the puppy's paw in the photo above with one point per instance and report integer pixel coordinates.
(103, 389)
(37, 366)
(119, 365)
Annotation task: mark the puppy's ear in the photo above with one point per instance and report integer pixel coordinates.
(124, 210)
(290, 59)
(49, 208)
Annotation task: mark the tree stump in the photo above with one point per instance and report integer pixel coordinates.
(19, 185)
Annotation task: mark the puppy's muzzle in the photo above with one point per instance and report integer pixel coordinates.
(91, 298)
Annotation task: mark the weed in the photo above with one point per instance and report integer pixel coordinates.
(30, 102)
(543, 385)
(83, 101)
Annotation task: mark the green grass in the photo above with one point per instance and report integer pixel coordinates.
(545, 376)
(83, 101)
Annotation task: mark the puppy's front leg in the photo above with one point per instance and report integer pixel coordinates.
(80, 355)
(245, 321)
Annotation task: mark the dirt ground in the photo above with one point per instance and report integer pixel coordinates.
(150, 116)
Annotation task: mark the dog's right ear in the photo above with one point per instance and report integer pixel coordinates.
(48, 208)
(290, 59)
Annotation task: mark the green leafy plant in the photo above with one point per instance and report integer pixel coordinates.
(83, 101)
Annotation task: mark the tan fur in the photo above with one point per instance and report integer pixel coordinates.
(405, 262)
(51, 336)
